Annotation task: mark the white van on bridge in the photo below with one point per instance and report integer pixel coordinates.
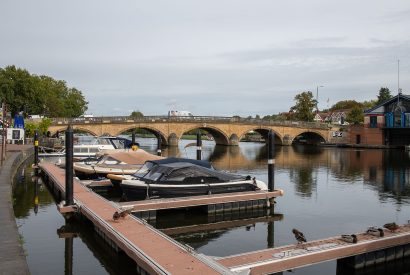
(180, 114)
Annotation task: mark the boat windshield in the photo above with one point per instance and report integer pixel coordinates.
(144, 169)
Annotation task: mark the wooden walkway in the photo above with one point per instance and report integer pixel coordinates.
(293, 256)
(158, 204)
(152, 250)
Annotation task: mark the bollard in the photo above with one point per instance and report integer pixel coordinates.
(36, 148)
(271, 161)
(69, 166)
(159, 142)
(134, 146)
(198, 145)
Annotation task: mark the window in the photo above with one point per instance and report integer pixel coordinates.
(373, 122)
(406, 119)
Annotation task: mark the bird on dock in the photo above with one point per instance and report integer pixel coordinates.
(391, 226)
(349, 238)
(299, 236)
(378, 232)
(121, 214)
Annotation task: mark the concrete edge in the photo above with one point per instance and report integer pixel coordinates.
(12, 255)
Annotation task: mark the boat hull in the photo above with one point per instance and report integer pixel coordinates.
(143, 191)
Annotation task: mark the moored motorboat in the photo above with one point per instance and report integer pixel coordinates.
(117, 163)
(180, 177)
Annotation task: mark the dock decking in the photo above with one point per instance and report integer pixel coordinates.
(149, 248)
(294, 256)
(158, 204)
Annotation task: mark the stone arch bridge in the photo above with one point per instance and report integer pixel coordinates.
(225, 130)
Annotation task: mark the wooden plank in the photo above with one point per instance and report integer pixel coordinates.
(158, 204)
(294, 256)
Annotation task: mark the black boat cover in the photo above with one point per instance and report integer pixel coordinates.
(187, 172)
(202, 163)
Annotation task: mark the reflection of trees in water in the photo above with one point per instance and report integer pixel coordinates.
(23, 194)
(396, 178)
(304, 181)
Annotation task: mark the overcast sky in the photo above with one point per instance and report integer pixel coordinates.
(212, 57)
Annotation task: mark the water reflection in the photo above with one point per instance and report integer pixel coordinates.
(388, 171)
(328, 191)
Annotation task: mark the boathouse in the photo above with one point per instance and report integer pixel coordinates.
(385, 124)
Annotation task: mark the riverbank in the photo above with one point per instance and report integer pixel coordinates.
(12, 255)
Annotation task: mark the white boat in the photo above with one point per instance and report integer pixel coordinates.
(97, 146)
(117, 163)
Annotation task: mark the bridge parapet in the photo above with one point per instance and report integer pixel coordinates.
(190, 119)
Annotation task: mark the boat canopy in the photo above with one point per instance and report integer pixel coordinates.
(186, 172)
(202, 163)
(131, 157)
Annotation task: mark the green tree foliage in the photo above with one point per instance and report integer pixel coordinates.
(369, 104)
(137, 114)
(30, 127)
(40, 95)
(304, 107)
(384, 95)
(345, 105)
(355, 115)
(42, 127)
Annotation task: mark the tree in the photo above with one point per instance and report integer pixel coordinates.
(40, 95)
(305, 104)
(137, 114)
(355, 115)
(43, 125)
(384, 95)
(345, 104)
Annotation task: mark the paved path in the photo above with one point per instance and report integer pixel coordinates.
(12, 257)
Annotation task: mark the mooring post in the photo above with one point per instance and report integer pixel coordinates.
(36, 148)
(198, 145)
(271, 161)
(159, 142)
(69, 166)
(133, 144)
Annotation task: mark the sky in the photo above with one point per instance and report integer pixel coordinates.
(214, 57)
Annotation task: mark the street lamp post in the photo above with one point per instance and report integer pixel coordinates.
(317, 96)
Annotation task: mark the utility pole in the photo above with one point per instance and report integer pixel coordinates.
(4, 134)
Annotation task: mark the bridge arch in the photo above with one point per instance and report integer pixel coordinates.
(308, 137)
(75, 128)
(156, 132)
(219, 136)
(264, 133)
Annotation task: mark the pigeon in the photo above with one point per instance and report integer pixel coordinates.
(349, 238)
(378, 232)
(299, 236)
(391, 226)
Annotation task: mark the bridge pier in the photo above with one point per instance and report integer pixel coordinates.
(287, 140)
(173, 140)
(234, 140)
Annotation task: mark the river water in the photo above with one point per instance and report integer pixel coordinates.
(328, 192)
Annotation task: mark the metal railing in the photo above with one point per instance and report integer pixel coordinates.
(186, 119)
